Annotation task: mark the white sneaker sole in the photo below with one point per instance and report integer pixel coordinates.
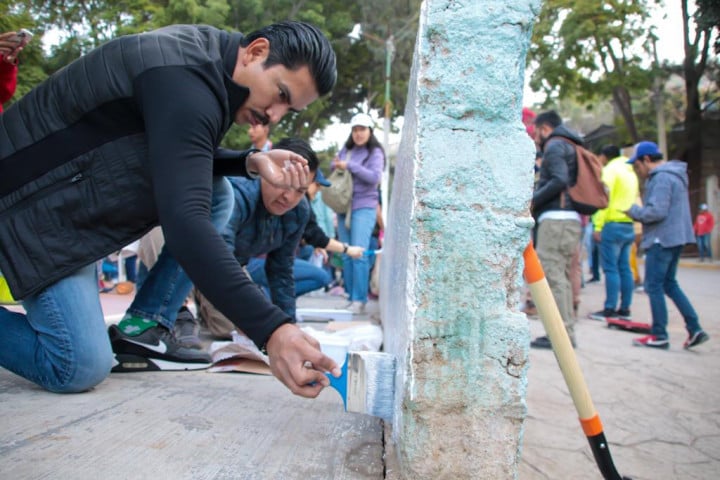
(135, 363)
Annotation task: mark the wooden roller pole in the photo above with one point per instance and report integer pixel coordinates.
(565, 355)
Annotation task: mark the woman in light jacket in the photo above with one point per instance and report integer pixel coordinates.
(364, 158)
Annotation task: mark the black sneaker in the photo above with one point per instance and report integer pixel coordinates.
(696, 339)
(544, 342)
(187, 329)
(603, 315)
(541, 342)
(155, 349)
(624, 314)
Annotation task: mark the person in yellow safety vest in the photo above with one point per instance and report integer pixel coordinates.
(615, 234)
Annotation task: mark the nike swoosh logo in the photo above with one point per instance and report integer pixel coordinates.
(159, 348)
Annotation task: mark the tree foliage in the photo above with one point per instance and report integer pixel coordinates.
(592, 49)
(707, 17)
(698, 27)
(85, 24)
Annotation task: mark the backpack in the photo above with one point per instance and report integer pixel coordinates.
(588, 194)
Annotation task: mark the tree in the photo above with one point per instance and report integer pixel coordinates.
(590, 49)
(384, 24)
(85, 24)
(697, 41)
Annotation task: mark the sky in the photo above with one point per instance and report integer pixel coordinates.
(669, 31)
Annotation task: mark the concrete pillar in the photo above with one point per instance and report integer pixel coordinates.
(452, 263)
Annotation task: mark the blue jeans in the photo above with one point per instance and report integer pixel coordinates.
(356, 272)
(374, 245)
(615, 243)
(61, 343)
(166, 285)
(593, 251)
(308, 277)
(660, 270)
(305, 252)
(703, 245)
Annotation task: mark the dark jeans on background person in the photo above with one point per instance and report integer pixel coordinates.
(305, 252)
(595, 260)
(615, 243)
(660, 271)
(593, 253)
(308, 277)
(704, 247)
(131, 268)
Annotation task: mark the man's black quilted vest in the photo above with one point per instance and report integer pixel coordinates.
(74, 179)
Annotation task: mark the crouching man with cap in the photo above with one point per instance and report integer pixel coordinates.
(265, 220)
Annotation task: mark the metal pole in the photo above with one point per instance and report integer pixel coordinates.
(384, 184)
(658, 86)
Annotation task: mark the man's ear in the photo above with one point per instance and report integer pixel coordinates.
(257, 50)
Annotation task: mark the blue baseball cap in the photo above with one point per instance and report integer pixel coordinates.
(320, 178)
(645, 148)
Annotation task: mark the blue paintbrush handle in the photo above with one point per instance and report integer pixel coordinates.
(340, 383)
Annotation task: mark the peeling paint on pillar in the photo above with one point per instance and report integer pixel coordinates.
(458, 222)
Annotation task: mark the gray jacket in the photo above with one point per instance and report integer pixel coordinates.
(665, 213)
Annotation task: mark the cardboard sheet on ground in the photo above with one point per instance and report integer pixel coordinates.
(238, 355)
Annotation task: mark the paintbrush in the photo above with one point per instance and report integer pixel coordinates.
(367, 383)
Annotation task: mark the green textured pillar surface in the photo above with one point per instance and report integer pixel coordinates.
(457, 226)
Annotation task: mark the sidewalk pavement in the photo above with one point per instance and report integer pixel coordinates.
(659, 410)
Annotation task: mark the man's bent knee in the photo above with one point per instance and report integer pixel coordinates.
(89, 370)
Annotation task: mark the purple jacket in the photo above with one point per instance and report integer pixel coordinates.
(366, 173)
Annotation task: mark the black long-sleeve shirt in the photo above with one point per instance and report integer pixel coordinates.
(118, 141)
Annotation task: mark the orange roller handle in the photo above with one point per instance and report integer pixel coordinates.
(533, 271)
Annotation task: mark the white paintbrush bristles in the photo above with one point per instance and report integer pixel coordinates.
(371, 383)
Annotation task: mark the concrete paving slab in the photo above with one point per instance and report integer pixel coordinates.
(660, 410)
(184, 426)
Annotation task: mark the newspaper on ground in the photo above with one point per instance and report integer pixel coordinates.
(239, 355)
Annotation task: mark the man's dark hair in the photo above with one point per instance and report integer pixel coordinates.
(298, 44)
(655, 157)
(610, 151)
(302, 148)
(550, 118)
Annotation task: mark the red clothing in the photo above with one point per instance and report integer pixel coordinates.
(8, 81)
(704, 223)
(528, 117)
